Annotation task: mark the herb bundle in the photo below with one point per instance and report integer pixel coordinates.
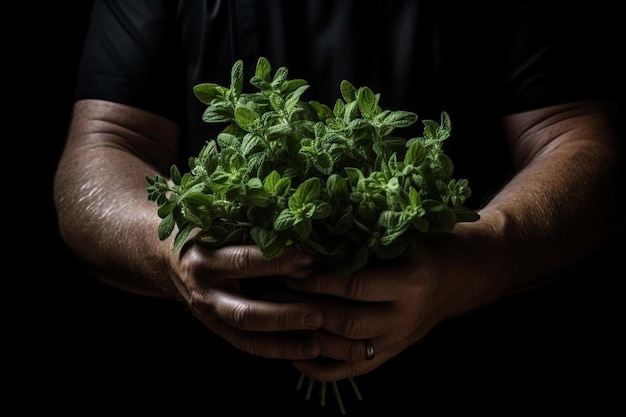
(335, 182)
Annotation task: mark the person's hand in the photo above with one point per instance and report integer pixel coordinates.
(113, 228)
(537, 225)
(381, 310)
(213, 284)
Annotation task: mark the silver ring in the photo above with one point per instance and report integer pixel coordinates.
(369, 350)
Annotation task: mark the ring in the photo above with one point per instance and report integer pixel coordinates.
(369, 350)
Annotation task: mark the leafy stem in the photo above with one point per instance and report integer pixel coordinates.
(332, 181)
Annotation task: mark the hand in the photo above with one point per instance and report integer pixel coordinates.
(396, 303)
(212, 283)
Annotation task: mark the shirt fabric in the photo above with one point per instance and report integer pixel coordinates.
(474, 60)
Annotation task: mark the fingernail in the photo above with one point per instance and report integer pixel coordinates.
(306, 351)
(310, 320)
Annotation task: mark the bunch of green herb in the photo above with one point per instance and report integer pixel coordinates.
(335, 182)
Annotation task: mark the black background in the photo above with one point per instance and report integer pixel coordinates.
(83, 344)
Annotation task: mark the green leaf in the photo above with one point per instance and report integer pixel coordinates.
(283, 186)
(233, 161)
(420, 224)
(259, 83)
(323, 162)
(270, 183)
(247, 118)
(307, 192)
(225, 140)
(294, 97)
(250, 143)
(351, 112)
(276, 131)
(322, 210)
(348, 91)
(277, 102)
(292, 85)
(339, 109)
(285, 220)
(445, 125)
(398, 119)
(464, 214)
(213, 114)
(166, 226)
(354, 175)
(236, 78)
(280, 76)
(358, 124)
(276, 184)
(263, 69)
(415, 155)
(337, 187)
(175, 175)
(181, 236)
(303, 228)
(270, 241)
(258, 195)
(206, 92)
(368, 102)
(323, 111)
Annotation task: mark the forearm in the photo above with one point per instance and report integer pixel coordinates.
(563, 203)
(561, 206)
(103, 211)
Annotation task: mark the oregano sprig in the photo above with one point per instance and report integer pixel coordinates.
(336, 182)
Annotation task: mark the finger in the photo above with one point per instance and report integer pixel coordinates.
(332, 369)
(244, 261)
(282, 345)
(356, 320)
(262, 328)
(256, 315)
(371, 283)
(335, 370)
(355, 350)
(342, 349)
(347, 319)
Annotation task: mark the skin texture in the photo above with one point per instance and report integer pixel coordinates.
(539, 223)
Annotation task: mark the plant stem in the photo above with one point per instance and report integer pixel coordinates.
(338, 397)
(355, 388)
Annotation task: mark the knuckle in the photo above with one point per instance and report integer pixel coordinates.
(280, 350)
(355, 289)
(282, 320)
(195, 300)
(240, 258)
(240, 316)
(254, 345)
(349, 328)
(246, 344)
(275, 264)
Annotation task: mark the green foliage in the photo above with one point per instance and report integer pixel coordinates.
(333, 181)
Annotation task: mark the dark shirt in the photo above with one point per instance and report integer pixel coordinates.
(476, 60)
